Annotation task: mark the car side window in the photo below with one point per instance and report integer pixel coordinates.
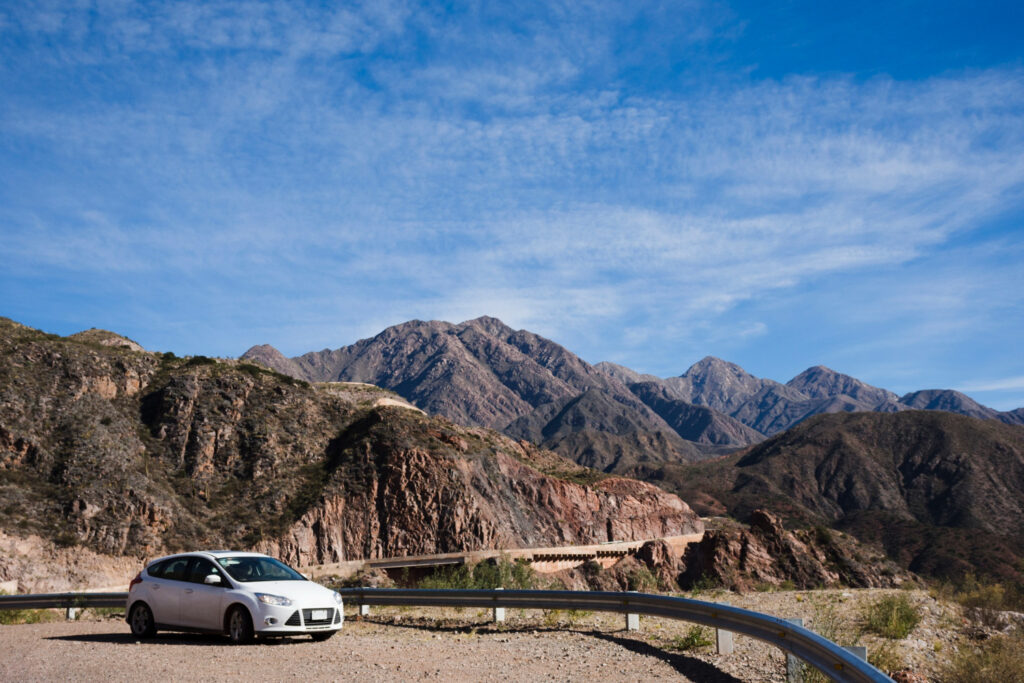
(175, 569)
(157, 570)
(200, 569)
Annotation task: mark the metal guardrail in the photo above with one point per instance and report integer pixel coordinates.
(819, 652)
(63, 600)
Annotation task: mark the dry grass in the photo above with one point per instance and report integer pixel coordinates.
(997, 660)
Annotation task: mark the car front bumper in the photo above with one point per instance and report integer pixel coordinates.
(280, 620)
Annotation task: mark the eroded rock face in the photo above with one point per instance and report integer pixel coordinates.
(766, 554)
(662, 561)
(410, 502)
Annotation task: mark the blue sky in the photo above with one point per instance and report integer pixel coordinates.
(646, 183)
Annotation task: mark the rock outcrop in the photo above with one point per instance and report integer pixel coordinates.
(767, 555)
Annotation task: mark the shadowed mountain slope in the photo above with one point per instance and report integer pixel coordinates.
(695, 423)
(943, 493)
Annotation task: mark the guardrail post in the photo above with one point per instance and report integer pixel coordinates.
(794, 667)
(71, 613)
(857, 651)
(364, 610)
(499, 612)
(632, 620)
(723, 639)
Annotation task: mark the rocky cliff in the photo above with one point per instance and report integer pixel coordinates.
(126, 452)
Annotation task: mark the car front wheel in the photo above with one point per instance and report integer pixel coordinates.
(141, 621)
(240, 626)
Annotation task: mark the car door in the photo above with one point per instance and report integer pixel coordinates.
(168, 582)
(201, 603)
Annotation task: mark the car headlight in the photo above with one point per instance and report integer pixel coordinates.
(273, 599)
(337, 597)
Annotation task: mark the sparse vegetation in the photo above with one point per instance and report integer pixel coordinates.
(24, 616)
(502, 573)
(893, 617)
(887, 656)
(997, 660)
(827, 622)
(983, 601)
(695, 638)
(641, 579)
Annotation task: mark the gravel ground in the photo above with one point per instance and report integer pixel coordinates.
(367, 650)
(413, 643)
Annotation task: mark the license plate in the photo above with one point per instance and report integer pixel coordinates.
(318, 615)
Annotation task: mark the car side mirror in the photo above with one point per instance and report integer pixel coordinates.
(212, 580)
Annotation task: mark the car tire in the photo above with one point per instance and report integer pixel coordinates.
(240, 629)
(321, 637)
(141, 621)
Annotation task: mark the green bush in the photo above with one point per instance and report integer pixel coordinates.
(893, 616)
(500, 573)
(997, 659)
(641, 579)
(696, 637)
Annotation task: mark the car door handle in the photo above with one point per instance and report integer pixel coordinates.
(188, 590)
(156, 586)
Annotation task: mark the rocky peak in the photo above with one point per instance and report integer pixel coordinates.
(270, 357)
(722, 375)
(947, 400)
(822, 382)
(488, 325)
(623, 374)
(106, 338)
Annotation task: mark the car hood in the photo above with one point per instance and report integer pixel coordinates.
(301, 591)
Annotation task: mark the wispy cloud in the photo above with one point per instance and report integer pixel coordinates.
(341, 168)
(1008, 384)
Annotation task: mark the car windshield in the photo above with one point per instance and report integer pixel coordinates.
(246, 569)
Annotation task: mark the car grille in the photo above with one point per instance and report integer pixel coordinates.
(307, 617)
(293, 620)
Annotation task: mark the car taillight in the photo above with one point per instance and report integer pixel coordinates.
(137, 579)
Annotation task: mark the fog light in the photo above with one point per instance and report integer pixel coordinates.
(270, 621)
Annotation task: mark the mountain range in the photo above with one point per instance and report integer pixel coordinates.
(107, 447)
(606, 416)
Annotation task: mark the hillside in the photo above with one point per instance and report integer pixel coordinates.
(943, 493)
(126, 452)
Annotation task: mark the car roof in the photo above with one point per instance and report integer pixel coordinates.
(213, 554)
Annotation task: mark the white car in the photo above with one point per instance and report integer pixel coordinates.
(241, 594)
